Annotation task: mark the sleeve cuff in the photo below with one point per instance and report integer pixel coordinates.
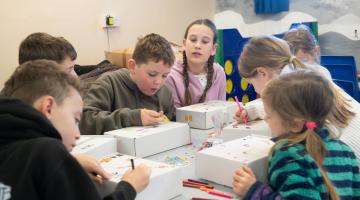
(135, 116)
(127, 189)
(252, 190)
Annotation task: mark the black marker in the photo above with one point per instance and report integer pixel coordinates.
(132, 163)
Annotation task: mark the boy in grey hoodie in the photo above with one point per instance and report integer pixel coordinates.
(134, 96)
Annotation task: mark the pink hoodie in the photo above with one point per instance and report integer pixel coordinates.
(175, 82)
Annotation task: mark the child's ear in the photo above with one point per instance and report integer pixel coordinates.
(262, 71)
(296, 125)
(131, 66)
(45, 105)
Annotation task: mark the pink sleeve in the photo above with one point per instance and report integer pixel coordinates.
(170, 83)
(222, 84)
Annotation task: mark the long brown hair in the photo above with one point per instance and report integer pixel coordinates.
(300, 38)
(210, 62)
(274, 53)
(306, 96)
(266, 51)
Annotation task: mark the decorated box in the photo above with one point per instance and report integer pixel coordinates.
(95, 145)
(142, 141)
(201, 115)
(236, 130)
(218, 163)
(165, 181)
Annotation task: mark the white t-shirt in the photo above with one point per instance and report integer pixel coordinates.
(203, 79)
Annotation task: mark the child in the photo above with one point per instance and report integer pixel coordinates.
(197, 78)
(44, 46)
(39, 126)
(133, 96)
(264, 58)
(305, 162)
(304, 45)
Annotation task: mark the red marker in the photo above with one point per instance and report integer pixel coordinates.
(221, 194)
(241, 109)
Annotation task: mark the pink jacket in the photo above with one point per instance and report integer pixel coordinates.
(175, 82)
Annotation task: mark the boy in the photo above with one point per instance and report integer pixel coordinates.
(134, 96)
(39, 128)
(45, 46)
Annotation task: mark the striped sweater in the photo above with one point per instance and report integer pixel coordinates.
(293, 174)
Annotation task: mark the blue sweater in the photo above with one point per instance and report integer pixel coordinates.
(293, 173)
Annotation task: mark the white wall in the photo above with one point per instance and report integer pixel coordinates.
(79, 22)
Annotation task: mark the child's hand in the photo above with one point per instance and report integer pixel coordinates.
(243, 179)
(139, 177)
(150, 117)
(240, 117)
(92, 167)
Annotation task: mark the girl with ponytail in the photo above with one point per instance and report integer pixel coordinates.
(197, 78)
(305, 47)
(306, 162)
(264, 58)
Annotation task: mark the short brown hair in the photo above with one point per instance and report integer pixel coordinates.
(45, 46)
(153, 47)
(34, 79)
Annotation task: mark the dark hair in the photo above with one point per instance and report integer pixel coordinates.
(34, 79)
(296, 96)
(153, 47)
(44, 46)
(210, 63)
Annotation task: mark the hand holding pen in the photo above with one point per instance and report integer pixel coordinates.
(138, 177)
(241, 113)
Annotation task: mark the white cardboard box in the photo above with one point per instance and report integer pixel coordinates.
(95, 145)
(235, 130)
(142, 141)
(199, 136)
(218, 163)
(165, 181)
(199, 115)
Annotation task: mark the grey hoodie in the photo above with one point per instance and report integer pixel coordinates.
(114, 101)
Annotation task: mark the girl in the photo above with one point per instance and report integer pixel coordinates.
(264, 58)
(305, 162)
(197, 78)
(304, 46)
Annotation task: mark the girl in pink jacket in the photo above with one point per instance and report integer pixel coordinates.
(197, 78)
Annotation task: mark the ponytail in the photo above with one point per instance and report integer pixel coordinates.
(315, 147)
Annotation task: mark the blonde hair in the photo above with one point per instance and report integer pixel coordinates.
(274, 53)
(296, 96)
(302, 39)
(266, 51)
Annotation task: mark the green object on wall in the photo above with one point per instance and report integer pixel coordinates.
(219, 56)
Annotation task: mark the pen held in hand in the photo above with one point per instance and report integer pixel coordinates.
(132, 164)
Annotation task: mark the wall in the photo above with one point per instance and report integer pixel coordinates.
(79, 22)
(337, 22)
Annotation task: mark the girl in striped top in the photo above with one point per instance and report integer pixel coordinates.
(306, 162)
